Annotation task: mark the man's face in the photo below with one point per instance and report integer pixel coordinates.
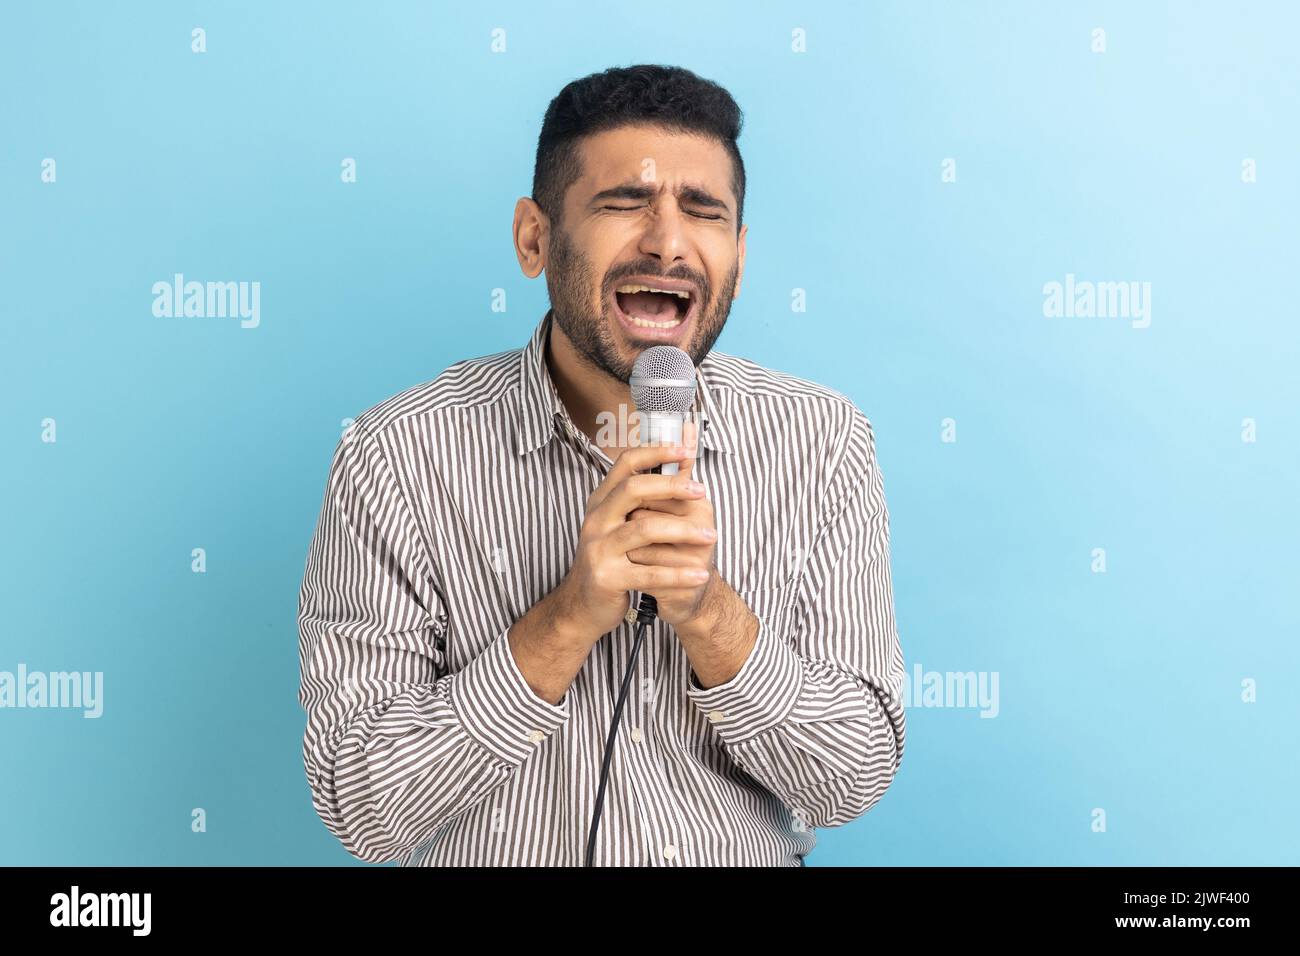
(652, 209)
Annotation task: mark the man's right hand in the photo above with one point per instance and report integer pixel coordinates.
(593, 597)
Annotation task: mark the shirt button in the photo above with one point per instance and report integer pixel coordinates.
(670, 852)
(536, 736)
(637, 735)
(716, 715)
(630, 616)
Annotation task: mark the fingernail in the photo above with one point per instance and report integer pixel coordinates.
(709, 532)
(695, 486)
(700, 574)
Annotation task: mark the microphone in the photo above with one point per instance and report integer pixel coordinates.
(663, 390)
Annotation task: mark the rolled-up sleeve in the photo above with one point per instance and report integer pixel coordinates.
(815, 713)
(395, 746)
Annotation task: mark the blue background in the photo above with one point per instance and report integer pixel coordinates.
(1119, 691)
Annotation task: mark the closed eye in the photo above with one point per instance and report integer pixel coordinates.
(697, 215)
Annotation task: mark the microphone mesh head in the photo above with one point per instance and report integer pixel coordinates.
(663, 381)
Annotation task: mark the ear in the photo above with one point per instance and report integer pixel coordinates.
(740, 259)
(532, 232)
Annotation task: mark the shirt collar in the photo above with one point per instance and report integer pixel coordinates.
(543, 409)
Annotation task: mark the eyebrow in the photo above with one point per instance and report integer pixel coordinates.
(687, 192)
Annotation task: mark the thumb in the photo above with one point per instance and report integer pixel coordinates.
(690, 440)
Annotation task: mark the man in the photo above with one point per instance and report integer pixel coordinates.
(462, 618)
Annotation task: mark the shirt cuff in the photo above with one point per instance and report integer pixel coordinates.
(498, 709)
(760, 695)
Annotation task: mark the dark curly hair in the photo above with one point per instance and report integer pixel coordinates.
(666, 96)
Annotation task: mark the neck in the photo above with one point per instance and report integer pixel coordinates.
(590, 394)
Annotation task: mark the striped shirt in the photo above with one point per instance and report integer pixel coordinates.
(454, 506)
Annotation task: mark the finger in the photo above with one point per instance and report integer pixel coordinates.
(687, 596)
(671, 506)
(653, 579)
(687, 468)
(690, 441)
(668, 555)
(699, 508)
(632, 461)
(635, 492)
(659, 529)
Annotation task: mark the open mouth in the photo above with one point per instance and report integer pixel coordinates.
(654, 307)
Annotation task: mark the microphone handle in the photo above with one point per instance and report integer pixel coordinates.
(648, 608)
(664, 430)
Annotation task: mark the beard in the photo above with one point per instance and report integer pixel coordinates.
(571, 283)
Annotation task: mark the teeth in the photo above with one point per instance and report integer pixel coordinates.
(650, 288)
(646, 323)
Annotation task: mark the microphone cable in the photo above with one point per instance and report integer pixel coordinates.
(646, 612)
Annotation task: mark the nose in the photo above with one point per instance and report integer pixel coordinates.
(664, 238)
